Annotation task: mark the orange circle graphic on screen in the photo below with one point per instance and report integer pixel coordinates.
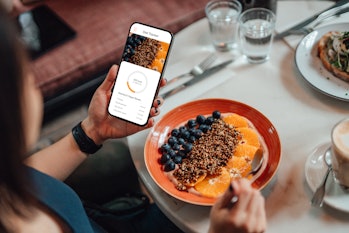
(136, 82)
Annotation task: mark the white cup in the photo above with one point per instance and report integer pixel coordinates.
(256, 27)
(340, 153)
(222, 16)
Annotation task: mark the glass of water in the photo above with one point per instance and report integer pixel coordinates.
(223, 21)
(256, 27)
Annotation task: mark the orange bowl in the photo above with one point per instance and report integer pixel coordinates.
(183, 113)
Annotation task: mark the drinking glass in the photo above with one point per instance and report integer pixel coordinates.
(222, 17)
(256, 27)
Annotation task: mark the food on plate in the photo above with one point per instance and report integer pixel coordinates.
(145, 52)
(333, 51)
(202, 155)
(159, 61)
(214, 185)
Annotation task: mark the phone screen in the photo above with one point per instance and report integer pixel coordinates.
(139, 73)
(42, 30)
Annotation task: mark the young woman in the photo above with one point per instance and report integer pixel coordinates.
(33, 197)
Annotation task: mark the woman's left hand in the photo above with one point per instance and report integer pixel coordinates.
(100, 125)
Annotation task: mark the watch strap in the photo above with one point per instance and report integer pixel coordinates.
(85, 143)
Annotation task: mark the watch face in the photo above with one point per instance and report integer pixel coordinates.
(42, 30)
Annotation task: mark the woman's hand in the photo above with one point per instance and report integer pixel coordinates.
(100, 125)
(246, 215)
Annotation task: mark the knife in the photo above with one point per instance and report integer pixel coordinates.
(309, 20)
(197, 78)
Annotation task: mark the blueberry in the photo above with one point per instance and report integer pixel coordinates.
(176, 147)
(188, 147)
(172, 140)
(191, 123)
(216, 114)
(200, 119)
(177, 159)
(164, 158)
(169, 166)
(175, 132)
(209, 120)
(181, 153)
(128, 47)
(138, 41)
(165, 148)
(185, 135)
(198, 133)
(172, 153)
(192, 131)
(181, 141)
(204, 128)
(192, 139)
(182, 129)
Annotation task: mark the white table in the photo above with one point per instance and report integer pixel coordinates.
(302, 116)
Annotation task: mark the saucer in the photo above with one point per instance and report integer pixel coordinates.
(315, 169)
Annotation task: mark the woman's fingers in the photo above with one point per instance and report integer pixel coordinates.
(163, 82)
(226, 198)
(155, 110)
(110, 79)
(244, 195)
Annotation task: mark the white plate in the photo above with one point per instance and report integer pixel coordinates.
(312, 69)
(315, 169)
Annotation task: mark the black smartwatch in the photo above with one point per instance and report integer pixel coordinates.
(86, 144)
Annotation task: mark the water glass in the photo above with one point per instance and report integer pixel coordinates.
(340, 153)
(223, 16)
(256, 27)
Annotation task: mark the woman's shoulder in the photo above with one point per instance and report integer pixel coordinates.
(60, 199)
(38, 221)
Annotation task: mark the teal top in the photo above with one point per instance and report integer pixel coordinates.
(63, 201)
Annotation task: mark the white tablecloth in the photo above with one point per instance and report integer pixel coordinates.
(302, 116)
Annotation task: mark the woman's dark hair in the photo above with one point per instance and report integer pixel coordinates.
(12, 141)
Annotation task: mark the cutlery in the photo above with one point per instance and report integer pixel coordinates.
(197, 78)
(257, 162)
(306, 30)
(319, 16)
(255, 166)
(319, 194)
(198, 69)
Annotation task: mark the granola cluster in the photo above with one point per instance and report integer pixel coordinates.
(145, 53)
(209, 154)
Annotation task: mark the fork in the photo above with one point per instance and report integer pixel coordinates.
(198, 69)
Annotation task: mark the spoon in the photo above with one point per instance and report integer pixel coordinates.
(319, 194)
(256, 162)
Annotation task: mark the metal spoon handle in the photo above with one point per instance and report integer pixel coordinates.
(319, 194)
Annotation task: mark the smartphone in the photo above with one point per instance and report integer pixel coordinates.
(140, 71)
(42, 30)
